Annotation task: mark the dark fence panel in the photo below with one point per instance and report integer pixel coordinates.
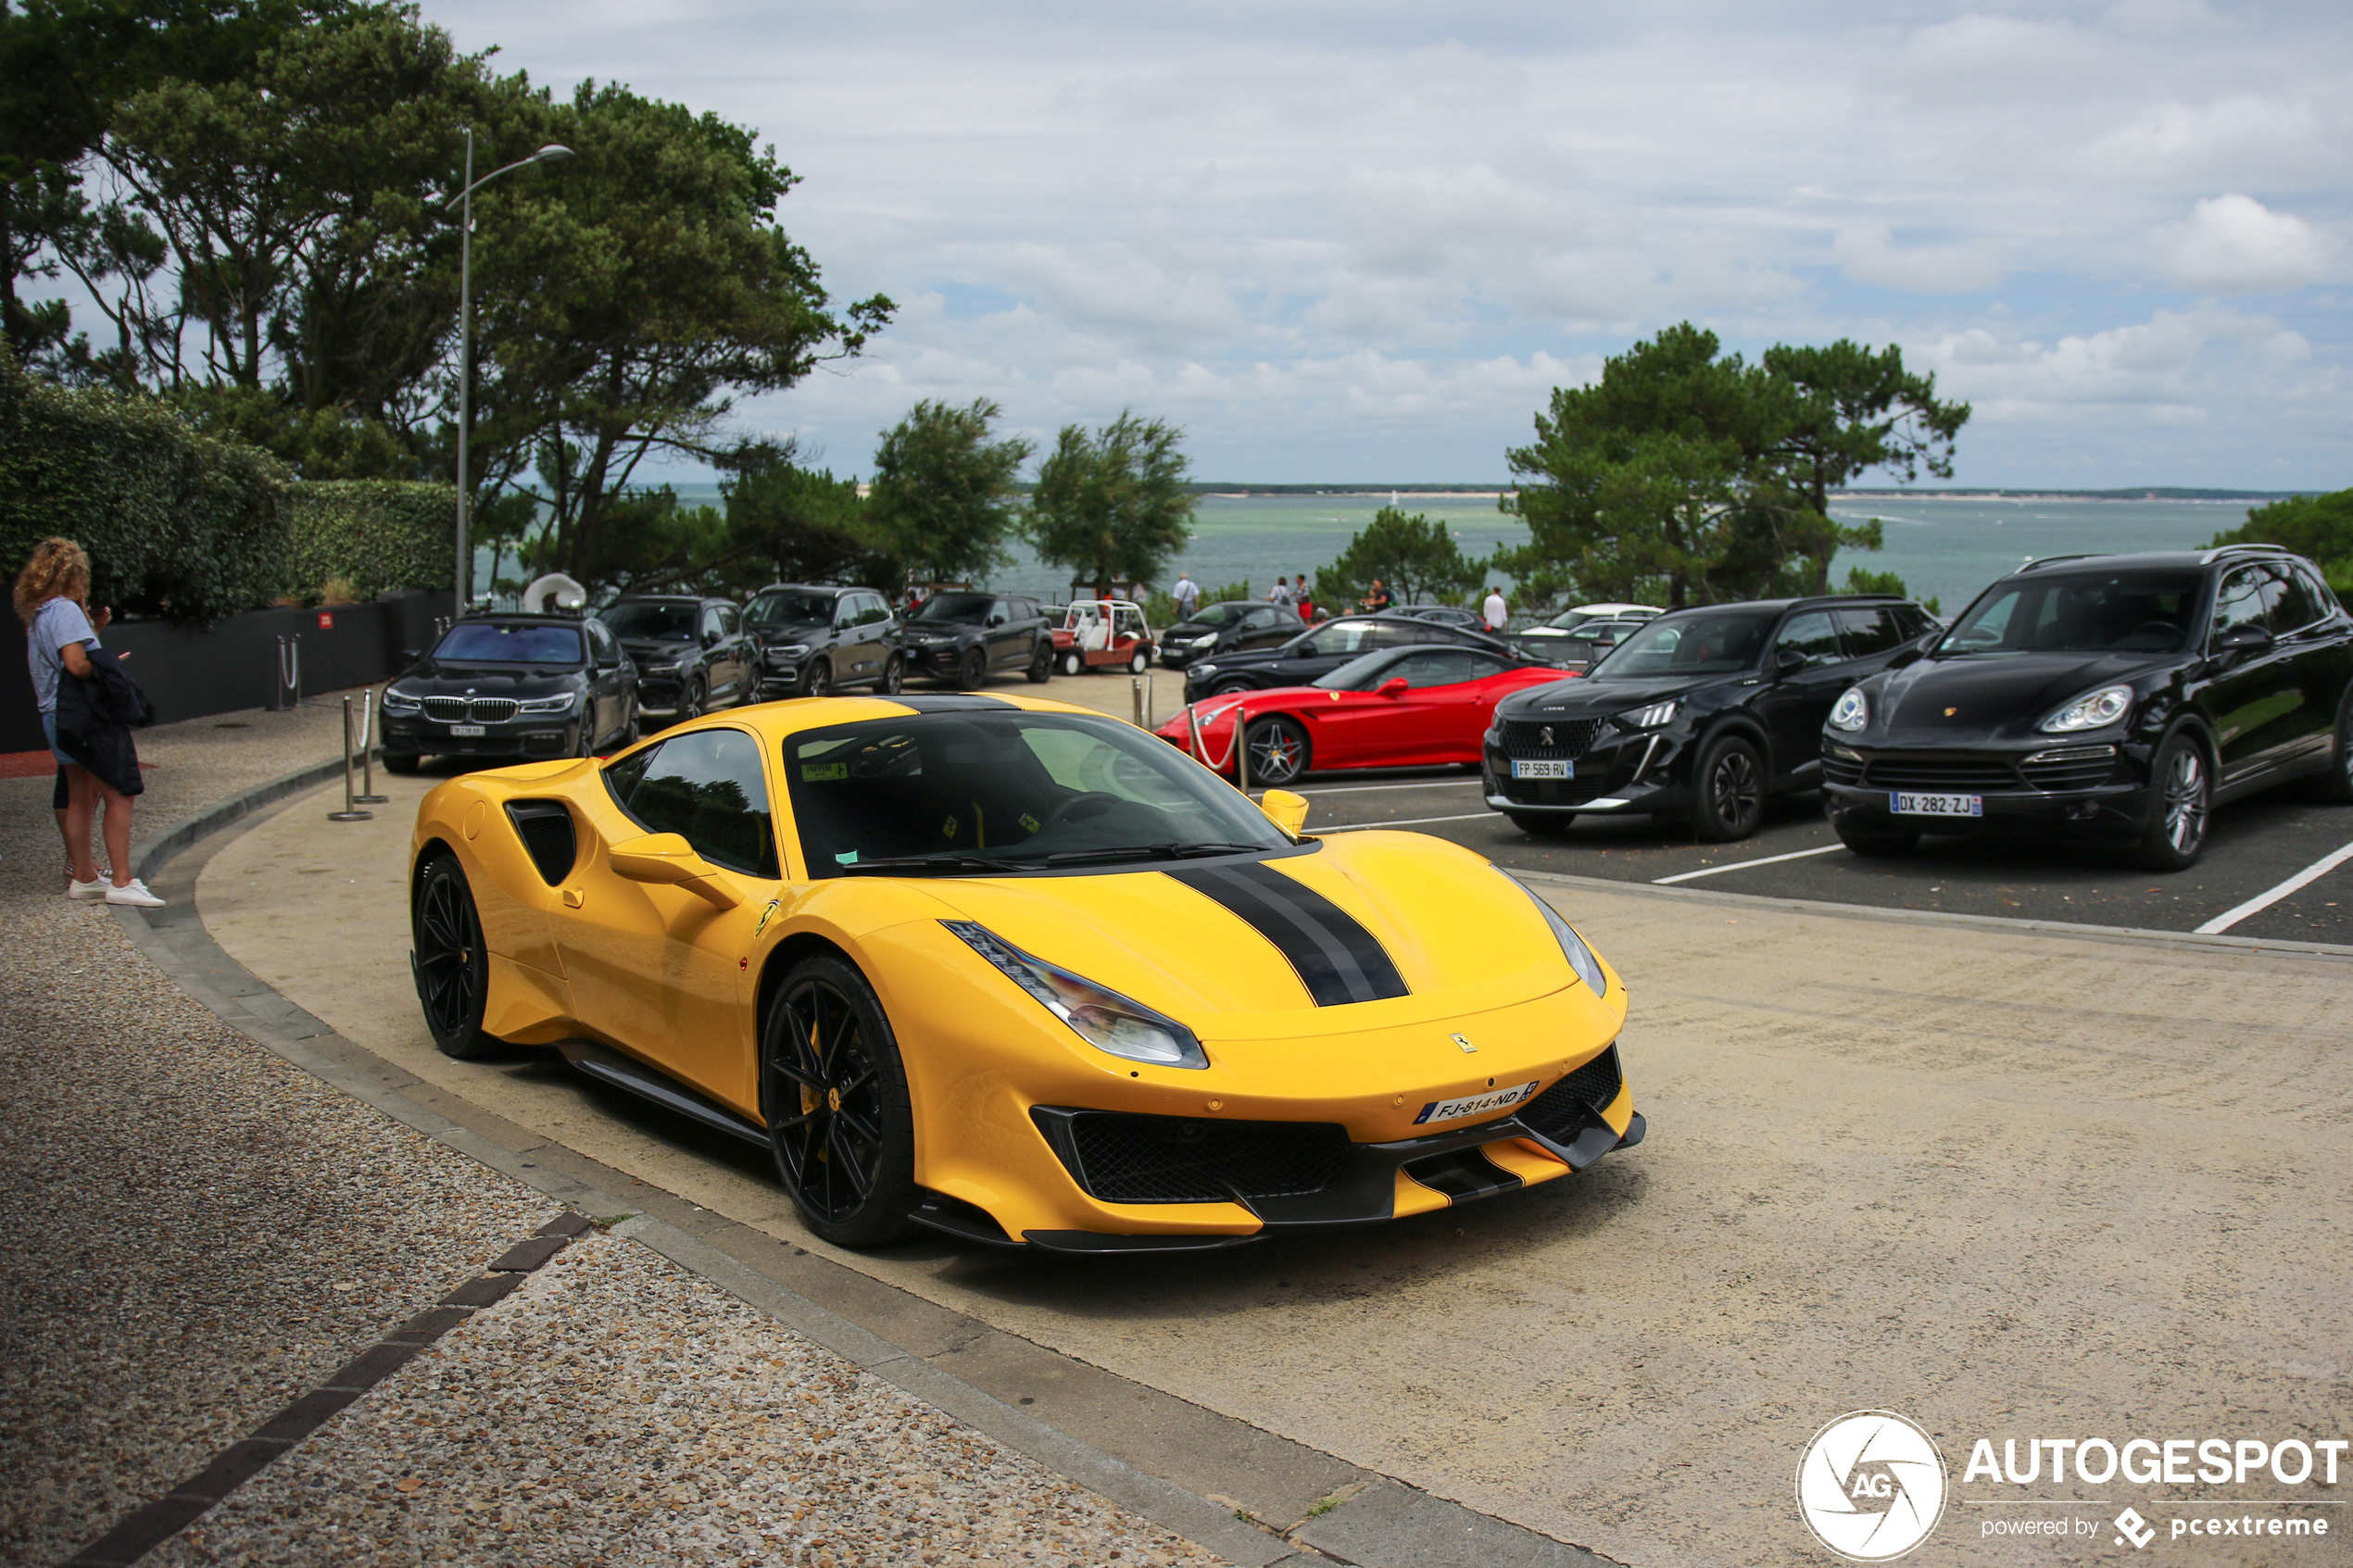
(189, 672)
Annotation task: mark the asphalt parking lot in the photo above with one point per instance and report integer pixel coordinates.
(2254, 846)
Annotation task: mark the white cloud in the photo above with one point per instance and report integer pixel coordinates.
(2164, 369)
(1871, 256)
(2235, 244)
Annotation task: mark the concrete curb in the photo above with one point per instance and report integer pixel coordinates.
(1379, 1523)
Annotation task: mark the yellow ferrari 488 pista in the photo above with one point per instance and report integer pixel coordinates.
(1020, 973)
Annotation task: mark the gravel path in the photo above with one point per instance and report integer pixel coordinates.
(201, 1231)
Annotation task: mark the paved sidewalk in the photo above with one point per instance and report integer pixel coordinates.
(202, 1232)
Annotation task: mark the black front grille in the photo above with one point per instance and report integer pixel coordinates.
(1548, 792)
(1841, 770)
(1973, 776)
(477, 710)
(1569, 738)
(545, 830)
(1565, 1109)
(1129, 1159)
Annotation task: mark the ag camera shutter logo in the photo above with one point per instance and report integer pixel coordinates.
(1871, 1486)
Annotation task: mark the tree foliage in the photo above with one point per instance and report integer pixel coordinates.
(1415, 557)
(943, 501)
(2319, 528)
(1685, 475)
(1112, 506)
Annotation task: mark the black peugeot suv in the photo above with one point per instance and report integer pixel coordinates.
(2108, 700)
(1696, 717)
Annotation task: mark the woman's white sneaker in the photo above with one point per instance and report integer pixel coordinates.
(94, 888)
(136, 894)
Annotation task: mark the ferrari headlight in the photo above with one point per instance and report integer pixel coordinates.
(2093, 711)
(1581, 957)
(1105, 1019)
(398, 701)
(563, 704)
(1649, 718)
(1852, 711)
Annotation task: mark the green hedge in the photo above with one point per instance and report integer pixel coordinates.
(192, 527)
(378, 534)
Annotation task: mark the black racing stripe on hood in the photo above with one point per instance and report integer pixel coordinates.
(1338, 960)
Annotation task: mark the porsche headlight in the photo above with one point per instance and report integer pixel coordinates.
(1852, 711)
(1649, 718)
(1201, 671)
(563, 704)
(1581, 957)
(2093, 711)
(398, 701)
(1105, 1019)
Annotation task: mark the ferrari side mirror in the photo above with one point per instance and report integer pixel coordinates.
(668, 858)
(1286, 810)
(1394, 686)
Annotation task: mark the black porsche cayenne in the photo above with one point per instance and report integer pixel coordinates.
(1696, 717)
(2112, 699)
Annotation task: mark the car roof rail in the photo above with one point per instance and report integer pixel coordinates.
(2039, 563)
(2210, 557)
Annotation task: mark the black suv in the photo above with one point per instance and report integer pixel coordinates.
(960, 635)
(692, 653)
(1696, 717)
(1229, 626)
(513, 686)
(813, 640)
(2105, 698)
(1317, 651)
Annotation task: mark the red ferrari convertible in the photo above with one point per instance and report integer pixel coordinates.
(1397, 707)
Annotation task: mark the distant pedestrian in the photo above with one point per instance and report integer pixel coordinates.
(1279, 594)
(1495, 610)
(1187, 595)
(1306, 601)
(90, 737)
(1379, 599)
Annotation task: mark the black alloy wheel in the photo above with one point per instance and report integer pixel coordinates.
(631, 730)
(691, 699)
(2335, 785)
(1041, 665)
(1228, 687)
(817, 677)
(1544, 824)
(971, 668)
(835, 1096)
(1074, 662)
(894, 675)
(2184, 791)
(1730, 791)
(586, 744)
(1277, 751)
(453, 969)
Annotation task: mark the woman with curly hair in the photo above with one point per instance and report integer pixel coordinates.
(53, 594)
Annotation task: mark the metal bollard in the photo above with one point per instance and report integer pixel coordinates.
(1136, 682)
(1241, 750)
(285, 690)
(368, 796)
(350, 813)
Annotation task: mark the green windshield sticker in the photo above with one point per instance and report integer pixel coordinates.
(847, 859)
(821, 773)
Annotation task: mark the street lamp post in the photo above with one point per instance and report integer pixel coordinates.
(464, 573)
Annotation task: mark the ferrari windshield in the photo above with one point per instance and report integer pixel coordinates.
(962, 609)
(488, 642)
(1699, 642)
(790, 610)
(2078, 612)
(660, 620)
(977, 794)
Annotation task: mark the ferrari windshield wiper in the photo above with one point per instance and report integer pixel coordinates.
(932, 865)
(1149, 852)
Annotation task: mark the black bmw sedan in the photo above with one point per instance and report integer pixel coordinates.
(1314, 653)
(2107, 699)
(513, 686)
(1696, 717)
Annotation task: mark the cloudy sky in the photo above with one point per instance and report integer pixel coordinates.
(1363, 241)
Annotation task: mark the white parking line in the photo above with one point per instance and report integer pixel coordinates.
(1366, 789)
(1743, 865)
(1407, 822)
(2265, 899)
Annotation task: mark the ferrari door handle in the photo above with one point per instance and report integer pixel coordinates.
(572, 898)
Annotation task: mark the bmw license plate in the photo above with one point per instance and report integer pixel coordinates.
(1534, 769)
(1475, 1105)
(468, 729)
(1936, 805)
